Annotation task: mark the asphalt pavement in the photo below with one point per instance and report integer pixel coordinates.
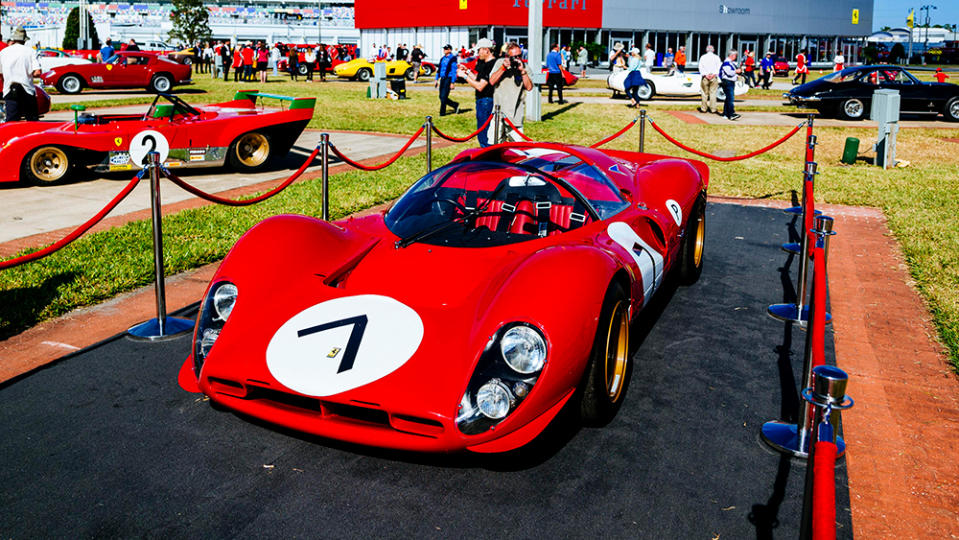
(104, 443)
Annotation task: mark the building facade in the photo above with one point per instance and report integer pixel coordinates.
(820, 27)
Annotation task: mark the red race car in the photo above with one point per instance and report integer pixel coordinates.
(237, 133)
(126, 70)
(496, 290)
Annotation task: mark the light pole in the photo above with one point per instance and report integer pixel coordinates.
(925, 45)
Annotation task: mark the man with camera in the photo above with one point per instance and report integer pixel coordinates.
(18, 67)
(480, 83)
(511, 82)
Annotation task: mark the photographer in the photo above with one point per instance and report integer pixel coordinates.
(617, 58)
(480, 83)
(511, 82)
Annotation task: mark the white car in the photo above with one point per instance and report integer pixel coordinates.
(677, 84)
(51, 58)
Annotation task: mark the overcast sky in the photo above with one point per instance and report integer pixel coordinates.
(893, 12)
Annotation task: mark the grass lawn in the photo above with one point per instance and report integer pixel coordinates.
(921, 201)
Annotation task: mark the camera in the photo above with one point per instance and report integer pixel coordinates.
(515, 63)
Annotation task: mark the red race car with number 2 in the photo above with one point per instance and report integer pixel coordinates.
(497, 290)
(126, 70)
(241, 134)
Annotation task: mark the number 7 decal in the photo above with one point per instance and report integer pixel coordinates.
(352, 346)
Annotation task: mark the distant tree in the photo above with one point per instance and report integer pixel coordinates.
(897, 54)
(190, 20)
(71, 33)
(885, 29)
(870, 53)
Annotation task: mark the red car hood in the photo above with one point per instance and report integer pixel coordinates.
(260, 342)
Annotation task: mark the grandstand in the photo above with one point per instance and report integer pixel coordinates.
(290, 20)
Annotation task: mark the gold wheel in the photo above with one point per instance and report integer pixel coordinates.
(252, 149)
(700, 240)
(49, 164)
(617, 351)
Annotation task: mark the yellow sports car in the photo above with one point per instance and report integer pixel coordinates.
(362, 69)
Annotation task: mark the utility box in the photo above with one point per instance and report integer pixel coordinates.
(378, 82)
(885, 111)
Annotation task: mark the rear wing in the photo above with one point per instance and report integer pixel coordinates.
(294, 102)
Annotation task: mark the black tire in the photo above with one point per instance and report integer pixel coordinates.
(607, 374)
(853, 109)
(46, 166)
(410, 76)
(690, 264)
(427, 70)
(951, 110)
(161, 83)
(364, 74)
(250, 152)
(302, 69)
(70, 84)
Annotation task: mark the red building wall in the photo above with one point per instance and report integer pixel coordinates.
(407, 14)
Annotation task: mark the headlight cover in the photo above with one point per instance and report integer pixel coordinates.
(504, 376)
(214, 312)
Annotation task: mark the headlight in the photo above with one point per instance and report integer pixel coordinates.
(508, 368)
(223, 300)
(523, 349)
(494, 399)
(216, 308)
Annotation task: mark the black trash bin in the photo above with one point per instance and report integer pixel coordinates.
(399, 86)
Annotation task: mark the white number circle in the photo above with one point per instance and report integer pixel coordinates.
(676, 211)
(344, 343)
(145, 142)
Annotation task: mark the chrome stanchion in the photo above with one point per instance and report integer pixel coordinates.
(799, 312)
(810, 156)
(497, 124)
(429, 144)
(642, 130)
(162, 326)
(794, 438)
(826, 398)
(325, 168)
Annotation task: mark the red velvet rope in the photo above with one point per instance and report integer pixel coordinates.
(466, 138)
(818, 330)
(77, 233)
(516, 129)
(614, 135)
(246, 202)
(381, 165)
(718, 158)
(824, 491)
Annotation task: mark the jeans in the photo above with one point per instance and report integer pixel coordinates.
(484, 108)
(729, 109)
(445, 100)
(633, 93)
(20, 105)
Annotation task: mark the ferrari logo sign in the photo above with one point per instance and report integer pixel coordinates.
(462, 4)
(855, 16)
(333, 352)
(118, 141)
(109, 67)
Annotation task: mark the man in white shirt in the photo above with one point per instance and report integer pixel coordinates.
(709, 65)
(649, 57)
(18, 67)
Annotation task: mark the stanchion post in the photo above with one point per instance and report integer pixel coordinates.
(642, 130)
(798, 312)
(827, 397)
(162, 326)
(325, 168)
(429, 144)
(810, 138)
(497, 124)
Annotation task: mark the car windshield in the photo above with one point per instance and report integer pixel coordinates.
(847, 74)
(527, 195)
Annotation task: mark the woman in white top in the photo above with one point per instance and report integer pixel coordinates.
(634, 79)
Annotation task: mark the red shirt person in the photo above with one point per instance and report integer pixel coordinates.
(940, 76)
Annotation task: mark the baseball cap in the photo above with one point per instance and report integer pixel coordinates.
(447, 46)
(484, 43)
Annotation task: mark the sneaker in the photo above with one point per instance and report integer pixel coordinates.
(562, 102)
(735, 117)
(457, 111)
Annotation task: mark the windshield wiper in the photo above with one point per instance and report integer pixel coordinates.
(423, 235)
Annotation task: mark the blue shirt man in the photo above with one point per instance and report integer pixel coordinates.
(766, 70)
(445, 77)
(107, 52)
(554, 78)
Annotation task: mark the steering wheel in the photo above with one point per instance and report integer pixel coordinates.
(458, 205)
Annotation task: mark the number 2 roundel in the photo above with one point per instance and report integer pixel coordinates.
(344, 343)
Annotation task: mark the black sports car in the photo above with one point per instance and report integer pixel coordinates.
(848, 93)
